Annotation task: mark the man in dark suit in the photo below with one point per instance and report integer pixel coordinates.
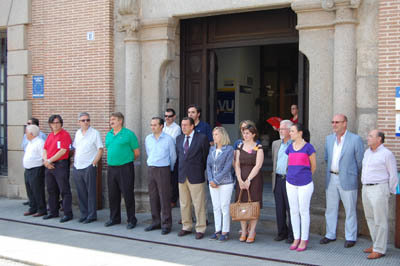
(192, 150)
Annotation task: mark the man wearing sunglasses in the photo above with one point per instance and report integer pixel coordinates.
(88, 151)
(344, 153)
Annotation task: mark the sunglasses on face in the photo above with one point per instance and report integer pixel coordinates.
(169, 116)
(85, 120)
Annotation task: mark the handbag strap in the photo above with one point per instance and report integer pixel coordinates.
(240, 195)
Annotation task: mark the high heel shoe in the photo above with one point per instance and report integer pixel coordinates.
(305, 247)
(294, 246)
(251, 239)
(243, 238)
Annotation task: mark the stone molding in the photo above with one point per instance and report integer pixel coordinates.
(128, 19)
(158, 29)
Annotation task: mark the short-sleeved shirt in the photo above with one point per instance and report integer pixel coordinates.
(299, 167)
(120, 147)
(86, 147)
(54, 143)
(204, 128)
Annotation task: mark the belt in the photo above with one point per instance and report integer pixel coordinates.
(281, 176)
(335, 173)
(372, 184)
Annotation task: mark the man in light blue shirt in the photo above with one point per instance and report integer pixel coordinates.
(161, 157)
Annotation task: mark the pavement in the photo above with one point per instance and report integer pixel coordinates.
(34, 241)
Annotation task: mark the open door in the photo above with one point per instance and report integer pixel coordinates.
(213, 79)
(303, 89)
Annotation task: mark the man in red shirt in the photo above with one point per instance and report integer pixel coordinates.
(55, 157)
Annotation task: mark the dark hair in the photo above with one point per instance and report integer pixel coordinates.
(35, 121)
(190, 120)
(382, 136)
(170, 110)
(198, 108)
(52, 117)
(160, 120)
(306, 132)
(118, 115)
(253, 130)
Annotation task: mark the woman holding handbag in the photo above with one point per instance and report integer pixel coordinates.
(248, 162)
(299, 185)
(221, 182)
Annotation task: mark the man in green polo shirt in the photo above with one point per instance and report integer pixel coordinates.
(122, 149)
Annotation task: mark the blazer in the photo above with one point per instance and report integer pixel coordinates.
(192, 165)
(275, 149)
(350, 161)
(219, 170)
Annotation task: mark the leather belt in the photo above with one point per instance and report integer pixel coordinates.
(372, 184)
(281, 176)
(333, 172)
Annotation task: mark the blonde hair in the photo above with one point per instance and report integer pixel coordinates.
(225, 140)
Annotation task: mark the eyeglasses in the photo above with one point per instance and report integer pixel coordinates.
(336, 122)
(169, 116)
(85, 120)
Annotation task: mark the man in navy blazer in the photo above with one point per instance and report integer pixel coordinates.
(192, 150)
(344, 152)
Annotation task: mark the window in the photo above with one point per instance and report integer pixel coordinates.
(3, 102)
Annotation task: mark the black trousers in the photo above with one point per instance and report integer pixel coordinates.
(160, 195)
(282, 208)
(174, 184)
(34, 182)
(57, 182)
(121, 179)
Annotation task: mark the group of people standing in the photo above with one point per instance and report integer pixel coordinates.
(185, 160)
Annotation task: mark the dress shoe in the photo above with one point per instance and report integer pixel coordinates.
(152, 227)
(111, 223)
(368, 250)
(82, 219)
(28, 213)
(199, 235)
(165, 231)
(304, 248)
(39, 214)
(88, 221)
(279, 238)
(184, 232)
(349, 244)
(375, 255)
(65, 219)
(25, 203)
(130, 225)
(49, 216)
(326, 240)
(173, 204)
(289, 240)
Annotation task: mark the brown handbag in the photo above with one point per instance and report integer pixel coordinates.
(244, 211)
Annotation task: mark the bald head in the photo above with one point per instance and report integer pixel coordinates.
(339, 124)
(375, 138)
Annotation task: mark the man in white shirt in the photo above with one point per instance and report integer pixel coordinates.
(174, 130)
(379, 179)
(88, 151)
(34, 172)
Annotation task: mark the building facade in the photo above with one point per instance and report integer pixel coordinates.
(139, 57)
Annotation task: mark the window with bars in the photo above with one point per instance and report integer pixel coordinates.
(3, 103)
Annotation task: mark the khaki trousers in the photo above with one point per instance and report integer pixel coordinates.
(188, 194)
(376, 204)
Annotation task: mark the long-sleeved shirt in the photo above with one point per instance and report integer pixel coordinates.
(380, 167)
(33, 156)
(160, 152)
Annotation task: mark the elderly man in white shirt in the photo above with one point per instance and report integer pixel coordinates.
(379, 179)
(34, 172)
(174, 130)
(88, 151)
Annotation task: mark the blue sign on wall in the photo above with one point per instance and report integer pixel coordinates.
(226, 107)
(38, 86)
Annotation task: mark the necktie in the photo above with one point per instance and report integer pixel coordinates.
(186, 145)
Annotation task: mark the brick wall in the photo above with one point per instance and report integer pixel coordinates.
(78, 74)
(389, 70)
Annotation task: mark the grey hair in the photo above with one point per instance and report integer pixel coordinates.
(288, 123)
(83, 114)
(33, 129)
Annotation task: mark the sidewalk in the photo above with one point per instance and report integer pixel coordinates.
(60, 245)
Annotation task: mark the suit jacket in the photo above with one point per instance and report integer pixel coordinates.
(192, 165)
(275, 149)
(350, 160)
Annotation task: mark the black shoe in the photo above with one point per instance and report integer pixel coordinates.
(49, 216)
(165, 231)
(82, 219)
(349, 244)
(130, 225)
(280, 238)
(25, 203)
(88, 221)
(65, 219)
(290, 240)
(152, 227)
(111, 223)
(184, 232)
(326, 240)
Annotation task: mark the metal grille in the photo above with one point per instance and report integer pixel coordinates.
(3, 103)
